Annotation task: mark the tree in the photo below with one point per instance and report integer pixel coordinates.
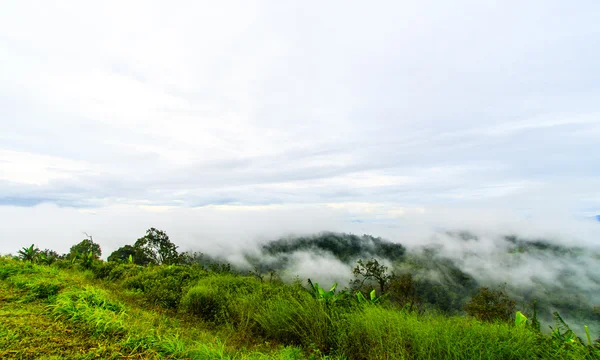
(85, 247)
(372, 270)
(403, 291)
(123, 254)
(157, 246)
(491, 305)
(30, 254)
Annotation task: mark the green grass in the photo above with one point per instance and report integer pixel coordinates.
(85, 320)
(177, 312)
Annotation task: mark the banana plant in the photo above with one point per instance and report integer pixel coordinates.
(520, 319)
(30, 254)
(563, 332)
(47, 257)
(328, 297)
(373, 298)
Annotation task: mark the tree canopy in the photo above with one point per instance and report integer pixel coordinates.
(85, 247)
(157, 246)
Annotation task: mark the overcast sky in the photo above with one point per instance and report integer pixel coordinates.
(372, 107)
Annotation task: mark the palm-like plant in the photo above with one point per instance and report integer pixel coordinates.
(328, 297)
(30, 254)
(373, 298)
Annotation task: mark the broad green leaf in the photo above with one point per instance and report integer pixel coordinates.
(333, 287)
(520, 319)
(321, 292)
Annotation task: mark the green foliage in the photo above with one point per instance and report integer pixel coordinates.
(298, 320)
(205, 302)
(91, 308)
(371, 271)
(114, 271)
(84, 248)
(48, 257)
(372, 300)
(30, 254)
(60, 326)
(36, 287)
(562, 332)
(259, 318)
(131, 254)
(380, 333)
(520, 319)
(157, 246)
(403, 292)
(229, 299)
(329, 297)
(491, 305)
(164, 285)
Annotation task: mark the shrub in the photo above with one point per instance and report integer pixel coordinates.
(102, 270)
(163, 285)
(204, 302)
(124, 271)
(491, 305)
(63, 264)
(226, 298)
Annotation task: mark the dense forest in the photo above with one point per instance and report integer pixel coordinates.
(151, 300)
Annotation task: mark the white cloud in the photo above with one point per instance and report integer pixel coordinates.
(38, 169)
(409, 104)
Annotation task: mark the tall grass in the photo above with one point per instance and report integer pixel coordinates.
(91, 308)
(379, 333)
(207, 310)
(299, 320)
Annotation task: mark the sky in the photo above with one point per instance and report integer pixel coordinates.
(365, 111)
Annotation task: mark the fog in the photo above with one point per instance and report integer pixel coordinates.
(229, 229)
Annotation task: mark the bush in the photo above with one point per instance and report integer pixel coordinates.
(204, 302)
(491, 305)
(124, 271)
(102, 270)
(63, 264)
(163, 285)
(227, 298)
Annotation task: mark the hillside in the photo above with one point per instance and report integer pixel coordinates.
(78, 306)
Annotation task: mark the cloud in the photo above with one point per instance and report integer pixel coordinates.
(414, 103)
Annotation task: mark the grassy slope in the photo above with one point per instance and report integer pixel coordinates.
(48, 312)
(32, 328)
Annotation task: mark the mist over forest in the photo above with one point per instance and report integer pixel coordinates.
(450, 254)
(448, 270)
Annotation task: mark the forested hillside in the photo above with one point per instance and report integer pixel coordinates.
(149, 300)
